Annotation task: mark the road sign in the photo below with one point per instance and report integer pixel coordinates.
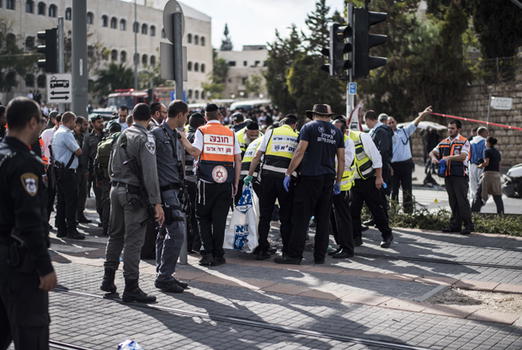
(167, 62)
(352, 88)
(59, 88)
(502, 103)
(170, 8)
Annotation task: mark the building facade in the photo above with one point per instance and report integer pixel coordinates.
(111, 29)
(246, 72)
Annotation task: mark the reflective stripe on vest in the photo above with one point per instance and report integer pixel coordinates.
(280, 149)
(241, 139)
(348, 175)
(362, 163)
(249, 155)
(216, 162)
(448, 147)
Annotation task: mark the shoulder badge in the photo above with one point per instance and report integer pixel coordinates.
(150, 144)
(30, 183)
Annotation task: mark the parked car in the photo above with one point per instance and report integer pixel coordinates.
(512, 182)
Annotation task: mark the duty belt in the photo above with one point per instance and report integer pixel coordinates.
(131, 188)
(170, 187)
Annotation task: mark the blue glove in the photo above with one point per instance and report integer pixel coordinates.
(247, 180)
(442, 167)
(286, 183)
(336, 188)
(384, 186)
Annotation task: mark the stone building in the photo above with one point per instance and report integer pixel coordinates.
(111, 25)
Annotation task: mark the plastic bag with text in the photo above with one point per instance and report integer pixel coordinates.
(241, 233)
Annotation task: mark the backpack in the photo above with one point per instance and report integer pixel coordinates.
(103, 155)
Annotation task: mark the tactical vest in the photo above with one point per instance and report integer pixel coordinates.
(216, 161)
(453, 147)
(348, 175)
(190, 175)
(280, 150)
(249, 155)
(242, 139)
(362, 163)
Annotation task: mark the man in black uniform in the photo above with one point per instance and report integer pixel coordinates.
(26, 272)
(2, 122)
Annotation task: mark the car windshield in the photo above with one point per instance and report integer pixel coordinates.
(118, 101)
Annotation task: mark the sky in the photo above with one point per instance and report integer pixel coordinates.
(253, 22)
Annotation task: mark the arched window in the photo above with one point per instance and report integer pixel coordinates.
(68, 14)
(29, 80)
(29, 8)
(189, 38)
(202, 39)
(189, 66)
(144, 60)
(53, 10)
(123, 24)
(40, 81)
(105, 21)
(153, 60)
(152, 31)
(203, 94)
(29, 42)
(114, 55)
(123, 56)
(10, 4)
(41, 10)
(196, 67)
(196, 94)
(190, 93)
(163, 33)
(136, 27)
(114, 23)
(196, 40)
(90, 18)
(202, 68)
(10, 40)
(144, 29)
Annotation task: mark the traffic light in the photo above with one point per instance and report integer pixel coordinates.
(49, 48)
(340, 44)
(363, 41)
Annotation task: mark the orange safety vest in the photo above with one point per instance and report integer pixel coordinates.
(453, 147)
(216, 161)
(42, 146)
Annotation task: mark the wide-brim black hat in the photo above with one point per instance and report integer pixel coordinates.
(320, 109)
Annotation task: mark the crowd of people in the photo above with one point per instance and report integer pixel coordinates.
(163, 172)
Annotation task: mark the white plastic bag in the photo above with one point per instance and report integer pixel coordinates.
(129, 344)
(242, 231)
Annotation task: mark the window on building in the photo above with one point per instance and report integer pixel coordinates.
(105, 21)
(152, 60)
(256, 63)
(123, 56)
(196, 94)
(29, 42)
(90, 18)
(144, 60)
(196, 40)
(29, 8)
(231, 63)
(203, 94)
(245, 63)
(10, 4)
(10, 40)
(114, 23)
(190, 93)
(53, 11)
(136, 27)
(41, 8)
(243, 80)
(202, 68)
(189, 38)
(189, 66)
(123, 24)
(196, 67)
(40, 81)
(29, 80)
(114, 55)
(152, 31)
(163, 33)
(68, 14)
(144, 29)
(202, 39)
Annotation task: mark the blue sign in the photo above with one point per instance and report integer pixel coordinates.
(352, 88)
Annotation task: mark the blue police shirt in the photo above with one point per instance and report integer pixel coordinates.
(323, 141)
(64, 145)
(401, 143)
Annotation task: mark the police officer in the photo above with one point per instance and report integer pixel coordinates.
(134, 179)
(451, 154)
(320, 143)
(246, 135)
(66, 152)
(277, 149)
(171, 168)
(193, 238)
(218, 168)
(90, 146)
(26, 274)
(82, 172)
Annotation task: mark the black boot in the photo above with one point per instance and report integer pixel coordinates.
(108, 281)
(132, 292)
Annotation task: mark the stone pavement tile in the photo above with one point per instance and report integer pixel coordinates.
(365, 299)
(441, 280)
(494, 316)
(476, 285)
(508, 288)
(403, 305)
(460, 311)
(285, 288)
(189, 274)
(314, 293)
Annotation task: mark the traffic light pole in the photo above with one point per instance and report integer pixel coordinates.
(79, 57)
(61, 65)
(350, 99)
(177, 29)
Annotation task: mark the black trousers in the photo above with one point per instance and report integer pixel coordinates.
(402, 177)
(212, 207)
(271, 189)
(457, 188)
(364, 191)
(67, 193)
(103, 190)
(478, 203)
(193, 236)
(312, 196)
(51, 190)
(343, 230)
(83, 178)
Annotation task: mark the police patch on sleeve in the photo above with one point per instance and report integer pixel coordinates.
(30, 183)
(150, 145)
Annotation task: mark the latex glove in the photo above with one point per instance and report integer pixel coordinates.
(286, 183)
(336, 188)
(248, 179)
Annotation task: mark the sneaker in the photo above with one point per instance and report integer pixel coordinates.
(386, 242)
(169, 286)
(182, 284)
(343, 254)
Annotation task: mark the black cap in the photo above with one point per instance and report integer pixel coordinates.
(211, 107)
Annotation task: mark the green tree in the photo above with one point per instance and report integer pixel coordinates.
(217, 78)
(226, 43)
(317, 22)
(150, 78)
(114, 76)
